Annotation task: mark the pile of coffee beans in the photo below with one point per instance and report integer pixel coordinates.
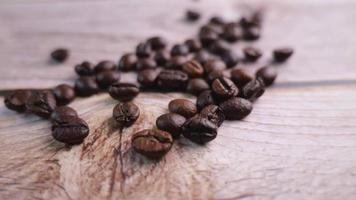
(205, 66)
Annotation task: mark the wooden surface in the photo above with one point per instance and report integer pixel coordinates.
(298, 143)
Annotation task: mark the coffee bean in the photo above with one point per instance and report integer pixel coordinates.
(162, 58)
(105, 65)
(231, 33)
(205, 98)
(172, 80)
(127, 62)
(199, 130)
(192, 15)
(126, 113)
(252, 33)
(177, 62)
(193, 69)
(202, 56)
(193, 45)
(229, 58)
(179, 50)
(236, 108)
(157, 43)
(84, 69)
(60, 55)
(123, 91)
(207, 36)
(41, 103)
(224, 88)
(217, 20)
(219, 47)
(152, 143)
(249, 21)
(253, 90)
(146, 63)
(61, 112)
(17, 100)
(172, 123)
(147, 78)
(214, 114)
(252, 54)
(70, 130)
(214, 65)
(218, 29)
(143, 50)
(64, 94)
(267, 74)
(240, 77)
(216, 74)
(86, 86)
(183, 107)
(282, 54)
(106, 78)
(197, 85)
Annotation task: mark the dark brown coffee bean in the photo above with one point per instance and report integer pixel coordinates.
(61, 112)
(105, 65)
(193, 45)
(179, 50)
(252, 33)
(224, 88)
(106, 78)
(64, 94)
(216, 74)
(219, 29)
(123, 91)
(217, 20)
(17, 100)
(252, 54)
(231, 33)
(146, 63)
(86, 86)
(214, 65)
(60, 55)
(193, 69)
(240, 77)
(214, 114)
(152, 143)
(70, 130)
(202, 56)
(162, 58)
(205, 98)
(229, 58)
(127, 62)
(172, 80)
(147, 78)
(157, 43)
(282, 54)
(172, 123)
(207, 36)
(192, 15)
(219, 47)
(84, 69)
(197, 85)
(126, 113)
(143, 50)
(177, 62)
(253, 90)
(199, 130)
(41, 103)
(183, 107)
(236, 108)
(267, 74)
(249, 21)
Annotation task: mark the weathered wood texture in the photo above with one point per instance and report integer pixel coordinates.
(298, 143)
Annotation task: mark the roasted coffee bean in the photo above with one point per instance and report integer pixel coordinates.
(41, 103)
(64, 94)
(219, 29)
(214, 65)
(229, 58)
(197, 85)
(224, 88)
(17, 100)
(205, 98)
(249, 21)
(146, 63)
(267, 74)
(106, 78)
(217, 20)
(62, 111)
(127, 62)
(86, 86)
(253, 90)
(105, 65)
(240, 77)
(84, 69)
(143, 50)
(192, 15)
(172, 80)
(123, 91)
(183, 107)
(252, 33)
(177, 62)
(214, 114)
(126, 113)
(179, 50)
(202, 56)
(231, 33)
(172, 123)
(207, 36)
(193, 68)
(219, 47)
(193, 45)
(282, 54)
(252, 54)
(70, 130)
(236, 108)
(199, 130)
(147, 78)
(157, 43)
(152, 143)
(216, 74)
(60, 55)
(162, 58)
